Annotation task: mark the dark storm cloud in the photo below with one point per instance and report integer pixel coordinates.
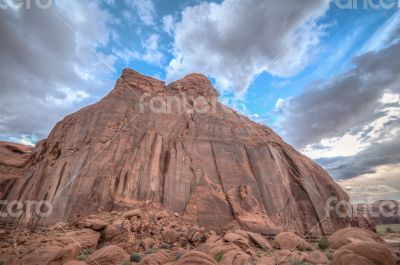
(333, 108)
(42, 64)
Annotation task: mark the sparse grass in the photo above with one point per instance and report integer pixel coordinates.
(329, 255)
(323, 244)
(385, 229)
(136, 257)
(218, 256)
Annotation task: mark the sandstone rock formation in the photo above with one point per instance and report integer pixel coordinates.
(364, 253)
(352, 235)
(13, 159)
(175, 145)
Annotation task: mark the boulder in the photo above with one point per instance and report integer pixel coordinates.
(266, 261)
(259, 240)
(45, 255)
(290, 241)
(170, 236)
(230, 253)
(236, 239)
(287, 257)
(158, 258)
(196, 258)
(131, 213)
(196, 235)
(147, 243)
(317, 257)
(364, 253)
(85, 238)
(96, 224)
(352, 235)
(116, 228)
(109, 255)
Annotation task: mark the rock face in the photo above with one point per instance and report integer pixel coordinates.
(175, 145)
(13, 159)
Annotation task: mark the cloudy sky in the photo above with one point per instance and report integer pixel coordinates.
(324, 74)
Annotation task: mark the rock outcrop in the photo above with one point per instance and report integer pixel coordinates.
(13, 159)
(352, 235)
(175, 145)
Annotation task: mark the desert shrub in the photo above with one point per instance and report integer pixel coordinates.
(178, 255)
(1, 262)
(218, 256)
(87, 251)
(165, 245)
(151, 251)
(323, 244)
(389, 230)
(135, 257)
(329, 255)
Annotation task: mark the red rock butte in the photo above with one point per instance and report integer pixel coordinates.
(216, 168)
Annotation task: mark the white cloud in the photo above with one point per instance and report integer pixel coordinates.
(168, 24)
(347, 145)
(152, 53)
(236, 40)
(384, 35)
(71, 96)
(279, 105)
(126, 55)
(145, 9)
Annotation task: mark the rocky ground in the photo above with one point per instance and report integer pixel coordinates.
(150, 235)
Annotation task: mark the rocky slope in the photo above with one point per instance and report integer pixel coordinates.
(213, 166)
(153, 236)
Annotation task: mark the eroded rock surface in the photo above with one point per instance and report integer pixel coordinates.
(139, 143)
(364, 253)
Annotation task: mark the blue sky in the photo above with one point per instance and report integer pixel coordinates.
(322, 76)
(345, 34)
